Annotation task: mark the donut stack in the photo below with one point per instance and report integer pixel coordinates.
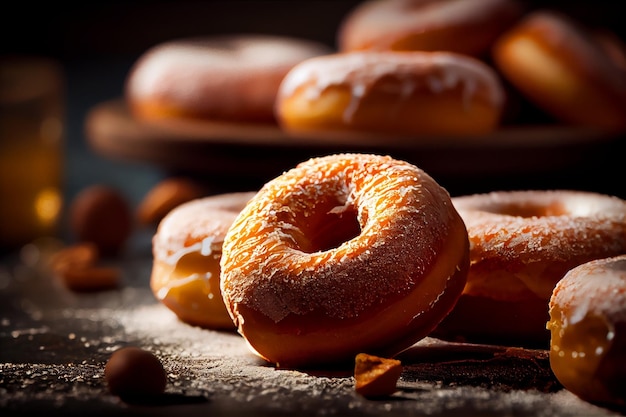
(407, 67)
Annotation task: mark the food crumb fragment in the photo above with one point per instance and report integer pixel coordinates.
(376, 376)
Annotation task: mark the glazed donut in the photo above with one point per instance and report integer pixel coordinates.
(521, 244)
(464, 26)
(588, 327)
(343, 254)
(563, 70)
(228, 78)
(187, 248)
(417, 93)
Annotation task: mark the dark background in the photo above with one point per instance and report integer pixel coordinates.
(122, 30)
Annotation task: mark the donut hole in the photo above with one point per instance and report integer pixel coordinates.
(528, 210)
(335, 223)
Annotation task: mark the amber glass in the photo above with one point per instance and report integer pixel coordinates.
(31, 138)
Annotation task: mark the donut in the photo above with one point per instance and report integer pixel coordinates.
(413, 93)
(343, 254)
(588, 328)
(564, 70)
(226, 78)
(464, 26)
(187, 248)
(521, 244)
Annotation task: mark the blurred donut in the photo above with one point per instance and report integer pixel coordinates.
(463, 26)
(233, 78)
(411, 93)
(559, 66)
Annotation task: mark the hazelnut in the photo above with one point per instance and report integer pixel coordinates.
(375, 376)
(73, 257)
(134, 373)
(101, 215)
(77, 268)
(165, 196)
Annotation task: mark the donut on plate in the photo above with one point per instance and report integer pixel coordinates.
(224, 78)
(463, 26)
(187, 248)
(407, 93)
(521, 244)
(343, 254)
(588, 328)
(564, 70)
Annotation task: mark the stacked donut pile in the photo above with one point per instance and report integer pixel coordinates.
(353, 253)
(407, 67)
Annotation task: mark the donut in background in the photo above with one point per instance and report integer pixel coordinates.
(223, 78)
(563, 69)
(407, 93)
(463, 26)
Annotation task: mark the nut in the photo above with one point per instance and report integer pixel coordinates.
(77, 268)
(375, 376)
(133, 373)
(91, 278)
(101, 215)
(72, 257)
(165, 196)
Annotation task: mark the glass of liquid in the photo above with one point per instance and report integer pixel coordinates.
(31, 149)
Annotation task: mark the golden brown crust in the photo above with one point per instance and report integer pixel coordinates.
(187, 248)
(326, 253)
(415, 93)
(588, 326)
(533, 238)
(521, 244)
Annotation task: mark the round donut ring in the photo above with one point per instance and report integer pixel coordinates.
(467, 27)
(340, 255)
(588, 327)
(521, 244)
(563, 69)
(187, 248)
(229, 78)
(405, 93)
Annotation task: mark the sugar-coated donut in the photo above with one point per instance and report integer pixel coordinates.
(343, 254)
(464, 26)
(521, 244)
(564, 70)
(414, 93)
(232, 78)
(588, 327)
(187, 248)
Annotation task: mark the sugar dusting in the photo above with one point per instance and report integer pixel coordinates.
(403, 220)
(196, 226)
(596, 288)
(222, 57)
(406, 74)
(566, 228)
(55, 345)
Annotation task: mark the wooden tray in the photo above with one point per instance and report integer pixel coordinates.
(263, 151)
